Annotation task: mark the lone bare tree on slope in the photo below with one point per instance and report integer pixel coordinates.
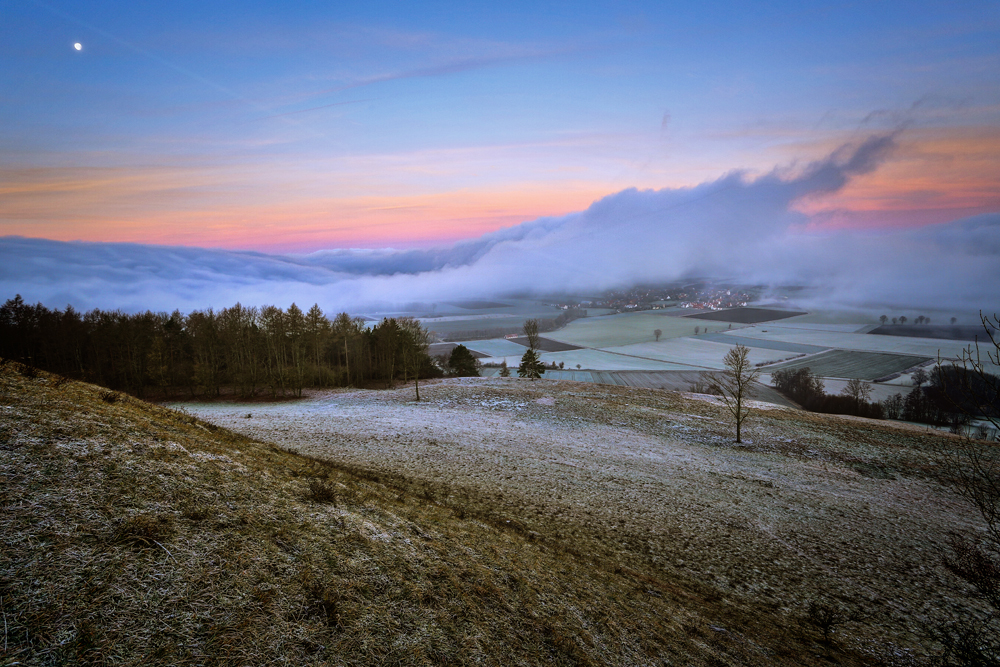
(530, 328)
(733, 384)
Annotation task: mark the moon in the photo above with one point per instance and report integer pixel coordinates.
(78, 46)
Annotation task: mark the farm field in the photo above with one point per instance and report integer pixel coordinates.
(626, 342)
(479, 305)
(733, 339)
(852, 364)
(438, 349)
(839, 328)
(495, 347)
(630, 328)
(850, 318)
(546, 344)
(602, 360)
(445, 326)
(926, 347)
(509, 315)
(696, 352)
(747, 315)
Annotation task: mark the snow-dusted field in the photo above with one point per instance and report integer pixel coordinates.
(598, 360)
(807, 503)
(496, 347)
(926, 347)
(631, 328)
(696, 352)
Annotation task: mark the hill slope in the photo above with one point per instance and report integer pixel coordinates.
(134, 534)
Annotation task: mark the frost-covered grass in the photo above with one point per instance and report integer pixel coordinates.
(131, 534)
(813, 506)
(495, 522)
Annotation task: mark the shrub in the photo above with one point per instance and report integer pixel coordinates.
(110, 397)
(321, 492)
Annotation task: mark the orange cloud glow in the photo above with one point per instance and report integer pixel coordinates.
(933, 176)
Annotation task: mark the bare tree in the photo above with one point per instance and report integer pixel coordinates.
(975, 466)
(883, 319)
(893, 406)
(919, 377)
(954, 319)
(414, 340)
(902, 319)
(530, 328)
(657, 333)
(857, 390)
(734, 383)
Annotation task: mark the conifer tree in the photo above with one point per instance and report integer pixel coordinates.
(531, 366)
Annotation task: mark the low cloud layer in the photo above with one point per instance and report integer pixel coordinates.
(736, 228)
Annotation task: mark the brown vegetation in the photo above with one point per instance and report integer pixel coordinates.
(134, 534)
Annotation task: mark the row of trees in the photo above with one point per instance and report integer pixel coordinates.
(902, 319)
(946, 397)
(809, 391)
(248, 350)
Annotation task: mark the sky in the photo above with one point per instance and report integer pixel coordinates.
(365, 143)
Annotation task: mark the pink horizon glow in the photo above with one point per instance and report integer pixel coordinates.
(932, 177)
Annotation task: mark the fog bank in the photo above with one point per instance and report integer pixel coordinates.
(736, 228)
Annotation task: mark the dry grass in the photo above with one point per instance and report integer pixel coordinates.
(134, 534)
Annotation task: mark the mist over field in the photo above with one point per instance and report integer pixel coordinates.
(737, 227)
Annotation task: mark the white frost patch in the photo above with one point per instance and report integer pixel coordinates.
(171, 446)
(376, 533)
(205, 456)
(546, 400)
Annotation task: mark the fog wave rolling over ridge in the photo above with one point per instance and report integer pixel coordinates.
(736, 227)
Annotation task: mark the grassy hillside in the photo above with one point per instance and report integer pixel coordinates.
(133, 534)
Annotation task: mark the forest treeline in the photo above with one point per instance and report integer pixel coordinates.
(244, 350)
(949, 396)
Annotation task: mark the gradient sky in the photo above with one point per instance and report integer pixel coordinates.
(299, 126)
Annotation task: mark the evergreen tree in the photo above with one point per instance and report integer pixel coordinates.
(531, 366)
(504, 371)
(462, 363)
